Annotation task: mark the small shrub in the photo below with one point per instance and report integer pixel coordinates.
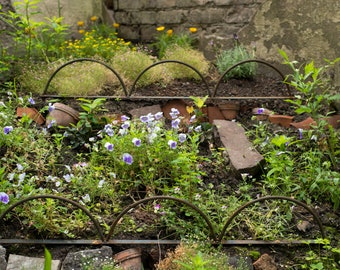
(131, 63)
(187, 55)
(228, 58)
(80, 78)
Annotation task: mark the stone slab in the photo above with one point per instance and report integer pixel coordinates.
(243, 157)
(16, 262)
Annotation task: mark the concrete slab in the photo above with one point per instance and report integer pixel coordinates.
(243, 157)
(18, 262)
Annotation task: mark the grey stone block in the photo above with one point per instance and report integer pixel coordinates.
(94, 258)
(18, 262)
(243, 157)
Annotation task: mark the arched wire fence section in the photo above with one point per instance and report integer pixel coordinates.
(245, 62)
(77, 205)
(165, 62)
(160, 198)
(214, 237)
(84, 60)
(267, 198)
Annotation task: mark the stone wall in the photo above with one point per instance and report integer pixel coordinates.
(214, 19)
(306, 30)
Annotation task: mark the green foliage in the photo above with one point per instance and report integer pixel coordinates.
(38, 39)
(312, 85)
(168, 39)
(78, 79)
(195, 256)
(129, 64)
(94, 44)
(48, 259)
(227, 58)
(89, 124)
(187, 55)
(326, 257)
(314, 178)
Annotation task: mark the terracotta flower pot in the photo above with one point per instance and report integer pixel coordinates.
(214, 113)
(229, 110)
(282, 120)
(305, 124)
(31, 113)
(63, 115)
(178, 104)
(129, 259)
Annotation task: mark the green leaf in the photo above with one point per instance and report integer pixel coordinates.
(48, 260)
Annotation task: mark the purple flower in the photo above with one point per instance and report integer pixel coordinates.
(137, 142)
(127, 158)
(174, 113)
(175, 123)
(31, 101)
(193, 118)
(50, 107)
(51, 123)
(125, 125)
(158, 115)
(198, 129)
(172, 144)
(182, 137)
(108, 130)
(260, 110)
(4, 198)
(109, 146)
(235, 36)
(7, 129)
(300, 133)
(124, 118)
(157, 206)
(144, 118)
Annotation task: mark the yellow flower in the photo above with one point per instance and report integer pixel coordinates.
(93, 18)
(169, 32)
(189, 109)
(80, 23)
(193, 29)
(81, 31)
(116, 25)
(160, 29)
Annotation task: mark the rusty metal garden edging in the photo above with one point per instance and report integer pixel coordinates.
(106, 240)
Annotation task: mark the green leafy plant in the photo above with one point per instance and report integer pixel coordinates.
(312, 85)
(39, 39)
(168, 39)
(89, 124)
(227, 58)
(99, 41)
(327, 257)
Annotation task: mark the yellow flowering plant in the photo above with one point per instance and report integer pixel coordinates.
(168, 37)
(98, 39)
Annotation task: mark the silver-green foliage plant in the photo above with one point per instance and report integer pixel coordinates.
(228, 58)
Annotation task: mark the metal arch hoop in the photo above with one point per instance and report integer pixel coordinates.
(240, 209)
(169, 61)
(249, 61)
(95, 222)
(82, 60)
(131, 206)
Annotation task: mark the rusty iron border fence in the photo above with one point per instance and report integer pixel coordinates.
(128, 93)
(214, 238)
